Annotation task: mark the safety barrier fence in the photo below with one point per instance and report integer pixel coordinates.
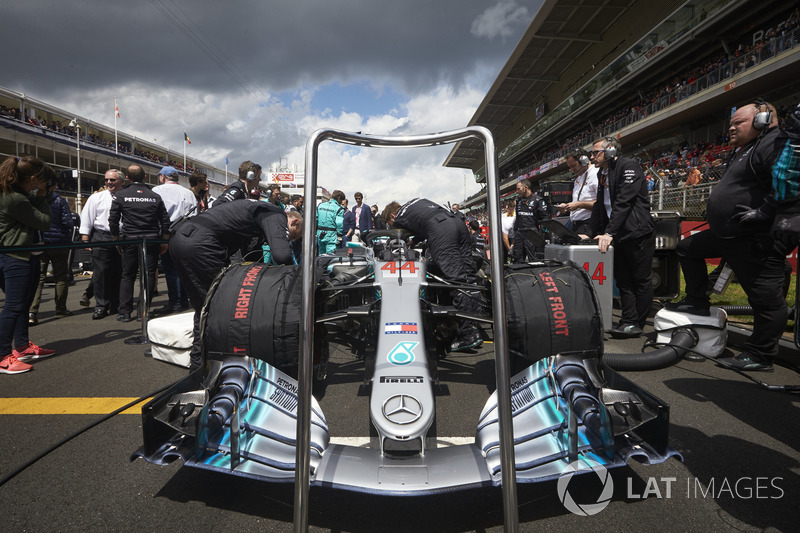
(143, 242)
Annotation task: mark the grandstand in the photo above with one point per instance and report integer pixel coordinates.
(662, 77)
(31, 127)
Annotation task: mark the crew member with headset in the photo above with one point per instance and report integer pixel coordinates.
(203, 246)
(584, 192)
(621, 215)
(450, 246)
(143, 215)
(531, 209)
(760, 182)
(330, 223)
(249, 176)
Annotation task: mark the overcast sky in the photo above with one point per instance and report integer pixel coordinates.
(255, 78)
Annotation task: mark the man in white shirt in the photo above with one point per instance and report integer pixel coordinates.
(507, 222)
(584, 192)
(106, 263)
(179, 202)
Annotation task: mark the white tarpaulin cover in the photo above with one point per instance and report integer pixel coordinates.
(171, 338)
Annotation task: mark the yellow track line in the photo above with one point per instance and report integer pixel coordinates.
(67, 406)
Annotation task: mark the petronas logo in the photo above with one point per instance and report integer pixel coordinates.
(402, 353)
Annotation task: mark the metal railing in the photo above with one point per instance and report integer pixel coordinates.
(502, 365)
(671, 194)
(143, 242)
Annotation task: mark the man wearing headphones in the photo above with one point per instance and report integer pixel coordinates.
(584, 192)
(621, 215)
(740, 214)
(249, 175)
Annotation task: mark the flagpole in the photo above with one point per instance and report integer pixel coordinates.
(184, 152)
(116, 114)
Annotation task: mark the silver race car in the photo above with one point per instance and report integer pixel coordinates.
(250, 409)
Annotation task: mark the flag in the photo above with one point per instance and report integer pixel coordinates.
(400, 327)
(226, 159)
(116, 109)
(186, 138)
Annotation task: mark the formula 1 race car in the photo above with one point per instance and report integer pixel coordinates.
(245, 411)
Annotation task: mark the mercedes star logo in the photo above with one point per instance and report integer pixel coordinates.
(402, 409)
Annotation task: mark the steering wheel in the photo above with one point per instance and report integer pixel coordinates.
(394, 233)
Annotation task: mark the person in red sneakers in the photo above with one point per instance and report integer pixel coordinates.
(23, 210)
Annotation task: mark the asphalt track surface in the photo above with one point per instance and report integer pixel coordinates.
(740, 443)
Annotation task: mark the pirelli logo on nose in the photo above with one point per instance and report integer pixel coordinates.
(244, 298)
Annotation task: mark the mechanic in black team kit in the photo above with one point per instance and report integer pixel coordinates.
(451, 249)
(249, 176)
(143, 214)
(203, 246)
(530, 210)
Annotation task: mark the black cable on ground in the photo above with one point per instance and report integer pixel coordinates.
(8, 477)
(767, 386)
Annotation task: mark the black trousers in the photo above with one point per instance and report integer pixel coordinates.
(450, 246)
(524, 250)
(130, 267)
(633, 272)
(106, 273)
(758, 263)
(198, 257)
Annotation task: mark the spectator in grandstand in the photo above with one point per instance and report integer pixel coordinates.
(198, 183)
(143, 216)
(249, 175)
(330, 219)
(530, 209)
(740, 215)
(363, 216)
(584, 191)
(203, 246)
(621, 216)
(507, 222)
(60, 232)
(693, 178)
(24, 210)
(180, 202)
(106, 263)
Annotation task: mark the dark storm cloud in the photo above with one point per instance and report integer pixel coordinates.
(262, 46)
(241, 77)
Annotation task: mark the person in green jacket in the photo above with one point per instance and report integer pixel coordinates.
(330, 223)
(24, 210)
